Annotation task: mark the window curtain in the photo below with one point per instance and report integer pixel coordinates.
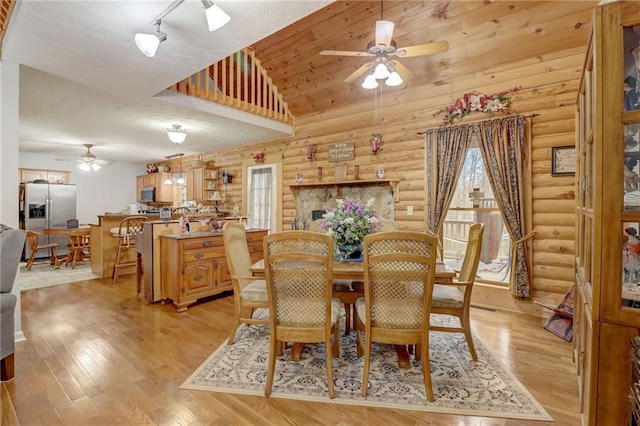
(445, 150)
(502, 143)
(260, 198)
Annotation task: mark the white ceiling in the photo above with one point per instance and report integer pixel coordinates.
(83, 80)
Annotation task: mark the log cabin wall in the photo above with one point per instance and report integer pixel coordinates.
(548, 80)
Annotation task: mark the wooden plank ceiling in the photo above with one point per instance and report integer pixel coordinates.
(484, 37)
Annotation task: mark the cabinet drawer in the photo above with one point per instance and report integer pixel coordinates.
(202, 254)
(203, 243)
(255, 247)
(255, 237)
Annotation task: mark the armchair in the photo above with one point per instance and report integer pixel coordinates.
(11, 244)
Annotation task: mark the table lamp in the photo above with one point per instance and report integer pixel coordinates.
(216, 197)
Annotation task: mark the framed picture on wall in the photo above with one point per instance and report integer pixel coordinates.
(341, 172)
(563, 161)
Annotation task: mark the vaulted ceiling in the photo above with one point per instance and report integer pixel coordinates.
(63, 109)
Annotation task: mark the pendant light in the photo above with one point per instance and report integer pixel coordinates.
(177, 134)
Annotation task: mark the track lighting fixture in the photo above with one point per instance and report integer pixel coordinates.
(148, 43)
(216, 17)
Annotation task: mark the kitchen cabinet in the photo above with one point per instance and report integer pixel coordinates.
(195, 266)
(52, 176)
(164, 193)
(201, 184)
(607, 274)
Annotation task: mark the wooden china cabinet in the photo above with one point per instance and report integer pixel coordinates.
(607, 304)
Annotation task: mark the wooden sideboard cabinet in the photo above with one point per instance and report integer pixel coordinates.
(195, 265)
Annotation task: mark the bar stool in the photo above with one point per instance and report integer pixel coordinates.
(126, 235)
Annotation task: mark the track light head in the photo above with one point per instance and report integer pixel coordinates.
(148, 43)
(216, 17)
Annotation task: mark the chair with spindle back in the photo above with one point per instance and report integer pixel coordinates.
(33, 238)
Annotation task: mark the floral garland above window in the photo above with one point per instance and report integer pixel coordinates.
(474, 101)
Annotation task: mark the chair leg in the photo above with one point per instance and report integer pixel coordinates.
(236, 323)
(426, 368)
(347, 323)
(32, 258)
(335, 346)
(7, 368)
(359, 327)
(114, 275)
(329, 356)
(271, 367)
(54, 256)
(367, 364)
(466, 325)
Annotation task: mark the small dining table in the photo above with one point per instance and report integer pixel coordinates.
(355, 271)
(83, 230)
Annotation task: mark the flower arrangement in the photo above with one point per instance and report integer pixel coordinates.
(474, 101)
(259, 158)
(350, 221)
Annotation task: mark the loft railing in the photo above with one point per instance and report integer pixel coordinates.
(6, 9)
(238, 81)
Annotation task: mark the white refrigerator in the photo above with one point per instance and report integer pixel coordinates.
(44, 206)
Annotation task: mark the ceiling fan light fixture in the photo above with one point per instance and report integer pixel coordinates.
(148, 43)
(85, 167)
(216, 17)
(370, 82)
(176, 134)
(394, 79)
(381, 72)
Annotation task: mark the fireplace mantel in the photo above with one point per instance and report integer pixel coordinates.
(393, 183)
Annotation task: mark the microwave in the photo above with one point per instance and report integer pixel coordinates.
(148, 194)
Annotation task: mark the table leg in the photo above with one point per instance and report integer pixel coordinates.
(296, 352)
(403, 356)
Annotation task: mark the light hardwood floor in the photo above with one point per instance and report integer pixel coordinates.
(95, 354)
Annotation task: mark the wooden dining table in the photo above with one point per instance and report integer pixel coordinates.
(84, 231)
(355, 271)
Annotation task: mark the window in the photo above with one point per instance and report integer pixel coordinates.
(473, 202)
(261, 196)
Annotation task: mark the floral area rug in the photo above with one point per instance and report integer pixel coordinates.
(461, 386)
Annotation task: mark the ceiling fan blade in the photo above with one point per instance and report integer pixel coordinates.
(357, 73)
(384, 33)
(422, 49)
(403, 71)
(343, 53)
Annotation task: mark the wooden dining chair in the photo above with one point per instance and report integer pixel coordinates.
(298, 271)
(455, 298)
(33, 238)
(249, 293)
(399, 270)
(79, 248)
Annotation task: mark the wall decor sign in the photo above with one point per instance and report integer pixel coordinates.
(341, 151)
(563, 161)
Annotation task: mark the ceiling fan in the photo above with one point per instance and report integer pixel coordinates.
(88, 161)
(383, 52)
